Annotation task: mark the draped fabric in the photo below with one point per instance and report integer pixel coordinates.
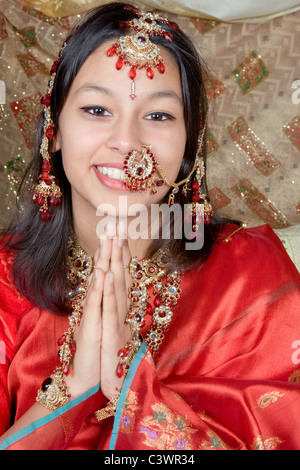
(230, 10)
(227, 375)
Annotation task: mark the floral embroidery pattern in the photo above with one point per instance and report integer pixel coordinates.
(268, 444)
(215, 442)
(166, 430)
(295, 377)
(129, 413)
(250, 72)
(268, 398)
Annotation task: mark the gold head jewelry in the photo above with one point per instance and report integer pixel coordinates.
(138, 51)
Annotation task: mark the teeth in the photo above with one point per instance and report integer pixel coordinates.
(113, 173)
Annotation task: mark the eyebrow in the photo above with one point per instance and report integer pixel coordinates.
(164, 94)
(151, 97)
(92, 87)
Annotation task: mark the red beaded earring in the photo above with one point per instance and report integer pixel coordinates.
(46, 191)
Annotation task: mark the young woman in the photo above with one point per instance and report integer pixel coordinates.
(111, 335)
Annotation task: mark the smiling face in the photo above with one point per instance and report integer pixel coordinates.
(100, 124)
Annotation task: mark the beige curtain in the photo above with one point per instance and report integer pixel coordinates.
(222, 10)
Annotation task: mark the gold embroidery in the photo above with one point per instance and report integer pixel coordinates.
(268, 398)
(166, 430)
(215, 442)
(128, 416)
(295, 377)
(268, 444)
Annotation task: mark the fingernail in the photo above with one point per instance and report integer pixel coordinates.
(122, 230)
(102, 238)
(110, 229)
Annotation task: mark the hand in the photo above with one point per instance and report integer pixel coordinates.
(102, 331)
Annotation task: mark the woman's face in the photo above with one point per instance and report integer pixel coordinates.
(100, 123)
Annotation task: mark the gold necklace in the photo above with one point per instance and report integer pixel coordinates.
(166, 289)
(79, 267)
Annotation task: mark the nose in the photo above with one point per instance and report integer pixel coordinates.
(125, 136)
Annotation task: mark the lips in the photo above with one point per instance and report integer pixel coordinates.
(111, 175)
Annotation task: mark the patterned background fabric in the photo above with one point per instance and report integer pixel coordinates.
(254, 91)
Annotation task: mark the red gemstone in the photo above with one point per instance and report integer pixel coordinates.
(132, 73)
(196, 185)
(159, 182)
(46, 178)
(123, 352)
(61, 340)
(150, 73)
(119, 371)
(40, 200)
(139, 171)
(49, 132)
(111, 51)
(207, 219)
(46, 100)
(168, 37)
(157, 301)
(54, 201)
(149, 309)
(173, 25)
(122, 24)
(161, 68)
(119, 64)
(46, 215)
(54, 67)
(46, 166)
(66, 369)
(73, 347)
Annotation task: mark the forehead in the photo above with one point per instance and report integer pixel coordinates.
(101, 69)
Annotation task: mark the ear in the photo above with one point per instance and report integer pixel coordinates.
(56, 142)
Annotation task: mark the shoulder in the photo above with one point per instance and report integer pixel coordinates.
(9, 294)
(257, 252)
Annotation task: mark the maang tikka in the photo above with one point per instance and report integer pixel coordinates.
(46, 191)
(138, 51)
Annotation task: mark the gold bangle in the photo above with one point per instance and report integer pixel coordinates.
(53, 392)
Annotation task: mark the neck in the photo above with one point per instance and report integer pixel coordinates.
(88, 232)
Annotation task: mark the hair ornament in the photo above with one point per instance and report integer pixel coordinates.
(138, 51)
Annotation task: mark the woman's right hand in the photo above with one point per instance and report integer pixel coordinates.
(86, 363)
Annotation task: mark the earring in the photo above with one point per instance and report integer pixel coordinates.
(139, 170)
(46, 191)
(201, 207)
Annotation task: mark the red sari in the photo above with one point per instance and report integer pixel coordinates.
(227, 375)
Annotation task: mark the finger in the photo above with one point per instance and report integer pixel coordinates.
(123, 241)
(103, 260)
(91, 322)
(117, 268)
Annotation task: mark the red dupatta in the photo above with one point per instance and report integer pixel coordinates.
(227, 375)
